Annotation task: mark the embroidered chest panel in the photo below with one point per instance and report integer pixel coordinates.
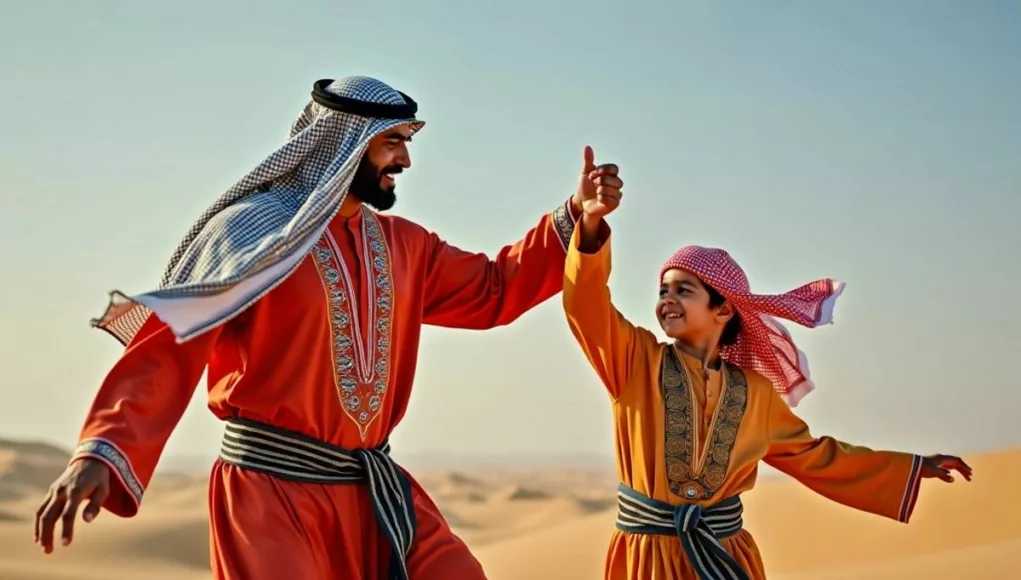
(695, 469)
(360, 333)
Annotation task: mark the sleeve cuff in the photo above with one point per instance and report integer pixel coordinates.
(126, 491)
(565, 220)
(593, 267)
(907, 505)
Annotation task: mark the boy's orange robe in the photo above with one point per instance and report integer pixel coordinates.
(733, 428)
(277, 363)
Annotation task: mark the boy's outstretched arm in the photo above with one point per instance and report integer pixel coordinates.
(606, 337)
(885, 483)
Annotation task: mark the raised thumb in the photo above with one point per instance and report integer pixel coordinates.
(589, 157)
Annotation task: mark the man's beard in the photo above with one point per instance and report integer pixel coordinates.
(366, 185)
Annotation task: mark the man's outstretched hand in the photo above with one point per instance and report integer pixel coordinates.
(84, 480)
(598, 189)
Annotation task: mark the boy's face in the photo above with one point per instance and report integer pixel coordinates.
(683, 308)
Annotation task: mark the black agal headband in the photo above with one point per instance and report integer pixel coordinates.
(363, 108)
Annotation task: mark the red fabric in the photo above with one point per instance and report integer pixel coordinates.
(763, 344)
(280, 363)
(264, 528)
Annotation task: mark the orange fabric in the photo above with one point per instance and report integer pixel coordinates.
(706, 385)
(275, 364)
(628, 360)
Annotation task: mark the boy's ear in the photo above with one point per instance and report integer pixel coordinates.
(725, 312)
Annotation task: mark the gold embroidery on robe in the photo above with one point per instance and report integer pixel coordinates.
(688, 480)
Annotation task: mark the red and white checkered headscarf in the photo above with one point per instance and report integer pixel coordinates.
(763, 345)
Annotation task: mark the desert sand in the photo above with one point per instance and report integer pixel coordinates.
(550, 523)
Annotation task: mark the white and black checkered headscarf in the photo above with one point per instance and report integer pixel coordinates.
(260, 229)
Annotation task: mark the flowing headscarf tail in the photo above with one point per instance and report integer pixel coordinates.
(810, 305)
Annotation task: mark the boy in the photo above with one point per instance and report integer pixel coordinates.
(695, 416)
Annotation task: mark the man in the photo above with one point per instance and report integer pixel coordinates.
(307, 308)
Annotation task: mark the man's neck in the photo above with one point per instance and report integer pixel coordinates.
(352, 203)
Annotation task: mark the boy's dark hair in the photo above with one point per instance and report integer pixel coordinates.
(733, 327)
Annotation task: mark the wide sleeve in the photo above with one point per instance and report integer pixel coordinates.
(471, 291)
(607, 338)
(884, 483)
(137, 406)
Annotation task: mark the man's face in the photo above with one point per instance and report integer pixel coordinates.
(386, 156)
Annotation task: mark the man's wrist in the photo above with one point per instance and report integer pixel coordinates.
(590, 239)
(576, 208)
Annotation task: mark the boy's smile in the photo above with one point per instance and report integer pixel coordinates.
(683, 304)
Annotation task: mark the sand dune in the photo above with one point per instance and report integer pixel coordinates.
(520, 493)
(549, 523)
(579, 546)
(455, 487)
(980, 562)
(960, 531)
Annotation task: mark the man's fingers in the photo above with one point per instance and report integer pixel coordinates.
(609, 202)
(39, 515)
(49, 520)
(609, 181)
(69, 514)
(95, 505)
(605, 169)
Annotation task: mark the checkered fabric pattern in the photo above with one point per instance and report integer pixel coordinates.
(763, 344)
(262, 222)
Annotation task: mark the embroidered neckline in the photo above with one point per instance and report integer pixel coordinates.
(361, 378)
(694, 473)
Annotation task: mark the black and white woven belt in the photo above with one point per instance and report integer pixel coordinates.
(699, 529)
(296, 457)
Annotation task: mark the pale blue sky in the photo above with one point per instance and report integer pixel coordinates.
(875, 142)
